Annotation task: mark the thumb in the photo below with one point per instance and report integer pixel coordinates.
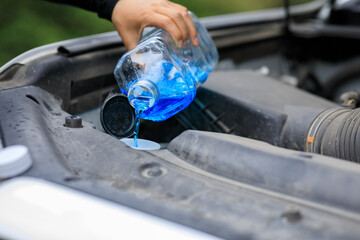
(130, 39)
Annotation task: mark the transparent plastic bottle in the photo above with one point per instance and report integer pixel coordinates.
(159, 78)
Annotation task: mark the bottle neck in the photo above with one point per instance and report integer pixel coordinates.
(143, 94)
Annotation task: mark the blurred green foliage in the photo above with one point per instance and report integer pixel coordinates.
(25, 24)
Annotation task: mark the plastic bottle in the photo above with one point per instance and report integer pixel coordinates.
(159, 78)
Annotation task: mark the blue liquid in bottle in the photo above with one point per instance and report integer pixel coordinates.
(172, 94)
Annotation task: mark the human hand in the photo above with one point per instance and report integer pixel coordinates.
(130, 17)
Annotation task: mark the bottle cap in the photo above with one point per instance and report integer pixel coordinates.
(117, 115)
(14, 160)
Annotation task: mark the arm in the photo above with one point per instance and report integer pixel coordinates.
(103, 8)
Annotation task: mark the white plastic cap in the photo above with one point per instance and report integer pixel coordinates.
(142, 144)
(14, 160)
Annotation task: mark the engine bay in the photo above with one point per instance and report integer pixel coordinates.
(267, 149)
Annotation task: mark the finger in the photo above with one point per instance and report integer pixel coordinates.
(192, 30)
(130, 39)
(189, 22)
(166, 23)
(178, 19)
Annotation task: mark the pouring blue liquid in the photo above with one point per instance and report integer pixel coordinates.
(159, 78)
(137, 126)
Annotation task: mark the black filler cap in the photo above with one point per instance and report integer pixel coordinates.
(117, 115)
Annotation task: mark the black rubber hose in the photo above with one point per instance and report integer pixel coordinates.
(336, 132)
